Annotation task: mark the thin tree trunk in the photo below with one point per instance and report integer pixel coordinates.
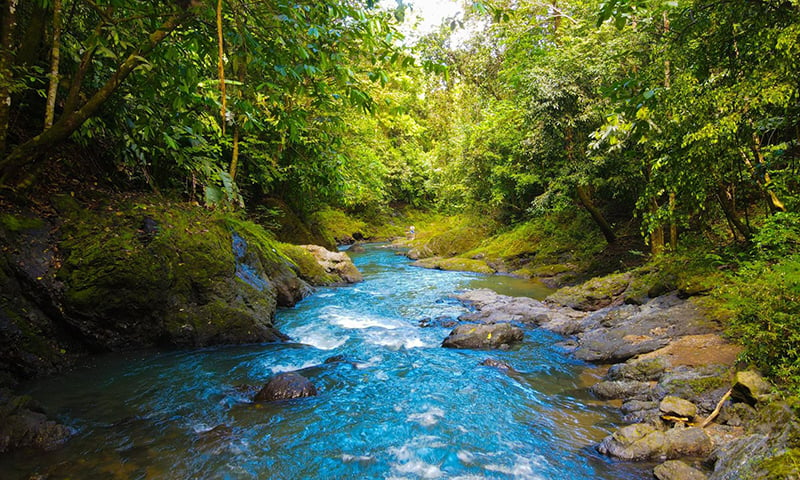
(657, 234)
(11, 165)
(50, 110)
(7, 27)
(726, 202)
(221, 66)
(597, 215)
(775, 204)
(673, 225)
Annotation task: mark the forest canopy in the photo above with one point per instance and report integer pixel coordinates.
(669, 113)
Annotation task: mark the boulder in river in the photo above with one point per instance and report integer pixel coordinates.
(23, 425)
(286, 386)
(335, 263)
(475, 336)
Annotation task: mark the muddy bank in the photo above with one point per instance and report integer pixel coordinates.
(676, 380)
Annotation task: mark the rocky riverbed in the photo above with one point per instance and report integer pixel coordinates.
(674, 376)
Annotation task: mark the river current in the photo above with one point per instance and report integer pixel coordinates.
(392, 404)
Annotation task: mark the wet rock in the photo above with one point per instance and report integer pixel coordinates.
(750, 387)
(336, 263)
(357, 248)
(335, 359)
(491, 307)
(475, 336)
(677, 407)
(621, 389)
(736, 414)
(640, 411)
(638, 370)
(628, 443)
(646, 442)
(773, 433)
(677, 470)
(286, 386)
(632, 406)
(499, 364)
(592, 295)
(25, 428)
(443, 322)
(618, 333)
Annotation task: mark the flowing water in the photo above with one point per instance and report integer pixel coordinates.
(392, 405)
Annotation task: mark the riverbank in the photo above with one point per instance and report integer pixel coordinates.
(101, 272)
(676, 380)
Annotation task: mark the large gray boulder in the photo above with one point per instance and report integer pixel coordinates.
(483, 337)
(286, 386)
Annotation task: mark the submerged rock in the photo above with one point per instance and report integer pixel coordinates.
(24, 425)
(475, 336)
(286, 386)
(498, 364)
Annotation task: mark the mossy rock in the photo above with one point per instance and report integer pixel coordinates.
(593, 294)
(307, 266)
(177, 283)
(647, 283)
(455, 264)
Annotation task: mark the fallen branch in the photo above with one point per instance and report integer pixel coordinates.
(716, 410)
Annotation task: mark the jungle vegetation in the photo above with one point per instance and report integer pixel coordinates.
(677, 121)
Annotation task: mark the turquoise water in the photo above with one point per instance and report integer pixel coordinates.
(396, 405)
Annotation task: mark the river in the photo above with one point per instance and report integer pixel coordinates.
(395, 405)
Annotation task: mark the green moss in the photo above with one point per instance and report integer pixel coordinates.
(308, 268)
(595, 293)
(15, 223)
(785, 465)
(456, 264)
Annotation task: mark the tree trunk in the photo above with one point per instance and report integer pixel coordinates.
(657, 234)
(726, 202)
(11, 166)
(7, 27)
(49, 113)
(221, 67)
(775, 204)
(586, 200)
(673, 225)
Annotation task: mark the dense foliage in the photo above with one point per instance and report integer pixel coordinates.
(661, 119)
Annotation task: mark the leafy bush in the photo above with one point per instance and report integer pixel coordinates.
(767, 299)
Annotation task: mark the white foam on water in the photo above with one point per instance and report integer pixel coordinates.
(351, 321)
(419, 469)
(373, 361)
(318, 338)
(427, 418)
(465, 456)
(292, 368)
(347, 458)
(396, 340)
(523, 468)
